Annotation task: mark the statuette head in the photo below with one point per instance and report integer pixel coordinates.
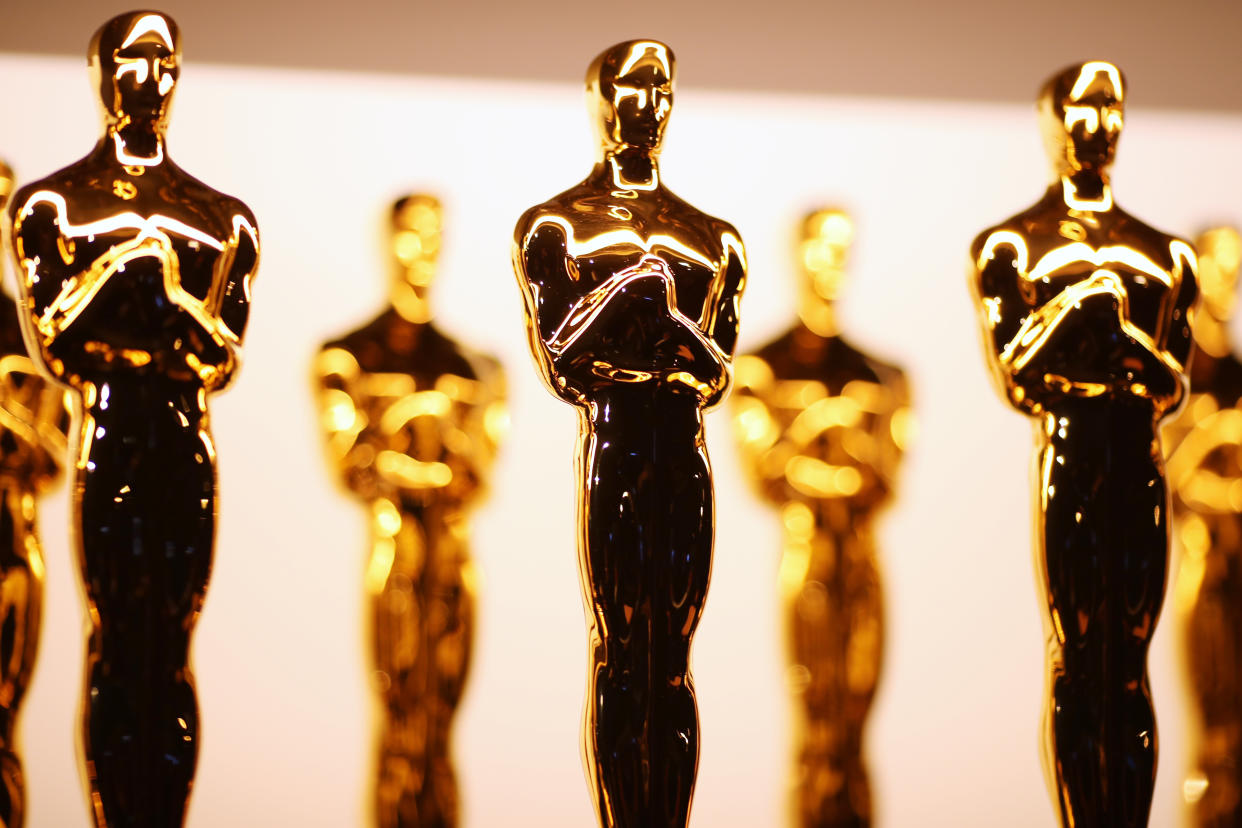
(415, 243)
(1081, 114)
(823, 248)
(1220, 255)
(135, 59)
(630, 93)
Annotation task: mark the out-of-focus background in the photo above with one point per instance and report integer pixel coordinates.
(1182, 55)
(918, 119)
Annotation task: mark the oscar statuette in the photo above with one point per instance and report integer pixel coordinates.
(822, 427)
(631, 299)
(413, 420)
(135, 289)
(1085, 315)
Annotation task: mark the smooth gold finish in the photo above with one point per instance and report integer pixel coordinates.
(34, 416)
(1086, 319)
(822, 427)
(413, 420)
(631, 300)
(135, 282)
(1204, 446)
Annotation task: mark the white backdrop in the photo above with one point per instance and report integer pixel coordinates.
(279, 652)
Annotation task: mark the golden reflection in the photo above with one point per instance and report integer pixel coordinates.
(822, 427)
(413, 420)
(631, 300)
(34, 416)
(1086, 317)
(135, 290)
(1204, 448)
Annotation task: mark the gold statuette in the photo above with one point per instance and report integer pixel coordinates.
(413, 420)
(33, 421)
(1205, 477)
(822, 427)
(1086, 319)
(631, 300)
(135, 282)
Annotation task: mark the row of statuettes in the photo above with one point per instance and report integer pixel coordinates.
(134, 293)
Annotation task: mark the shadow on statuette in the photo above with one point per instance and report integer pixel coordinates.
(1204, 449)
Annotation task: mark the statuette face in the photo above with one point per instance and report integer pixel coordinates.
(135, 291)
(822, 427)
(413, 420)
(1086, 316)
(631, 299)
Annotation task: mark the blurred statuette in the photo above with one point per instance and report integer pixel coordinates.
(1204, 449)
(822, 427)
(413, 420)
(34, 417)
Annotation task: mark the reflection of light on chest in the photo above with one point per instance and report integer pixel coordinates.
(1072, 255)
(623, 237)
(147, 227)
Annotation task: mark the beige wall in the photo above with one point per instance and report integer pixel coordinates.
(1182, 55)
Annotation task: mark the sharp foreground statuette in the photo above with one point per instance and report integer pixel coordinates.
(822, 427)
(413, 420)
(631, 302)
(1086, 319)
(135, 281)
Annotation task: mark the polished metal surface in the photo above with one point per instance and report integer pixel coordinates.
(413, 420)
(631, 299)
(135, 281)
(822, 427)
(1204, 450)
(1086, 316)
(34, 417)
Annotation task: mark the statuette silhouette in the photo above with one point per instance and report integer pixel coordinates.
(135, 282)
(1086, 319)
(822, 427)
(631, 300)
(413, 420)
